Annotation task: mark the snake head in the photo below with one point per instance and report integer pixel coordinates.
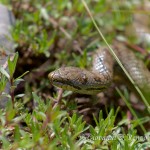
(78, 80)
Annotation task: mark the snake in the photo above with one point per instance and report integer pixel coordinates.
(7, 20)
(92, 81)
(100, 76)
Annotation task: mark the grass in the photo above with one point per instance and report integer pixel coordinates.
(117, 59)
(49, 34)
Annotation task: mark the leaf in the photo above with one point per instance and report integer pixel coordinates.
(3, 83)
(4, 72)
(22, 75)
(19, 95)
(12, 64)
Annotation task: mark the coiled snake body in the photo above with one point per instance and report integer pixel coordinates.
(101, 75)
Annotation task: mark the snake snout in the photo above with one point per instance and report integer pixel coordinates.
(54, 76)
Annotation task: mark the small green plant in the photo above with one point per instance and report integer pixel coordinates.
(59, 31)
(8, 78)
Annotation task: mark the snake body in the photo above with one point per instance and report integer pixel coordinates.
(6, 44)
(101, 75)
